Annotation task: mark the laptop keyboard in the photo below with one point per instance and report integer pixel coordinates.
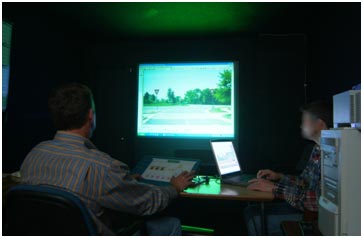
(238, 180)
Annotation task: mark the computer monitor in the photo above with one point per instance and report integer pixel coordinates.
(186, 100)
(7, 29)
(226, 158)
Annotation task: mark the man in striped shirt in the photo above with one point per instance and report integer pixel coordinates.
(299, 193)
(72, 162)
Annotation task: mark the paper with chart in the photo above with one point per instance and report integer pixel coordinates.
(164, 169)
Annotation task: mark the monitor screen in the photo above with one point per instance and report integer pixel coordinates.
(186, 100)
(226, 157)
(7, 29)
(5, 77)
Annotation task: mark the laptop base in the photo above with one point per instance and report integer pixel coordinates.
(239, 180)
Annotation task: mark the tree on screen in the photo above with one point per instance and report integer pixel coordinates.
(171, 96)
(221, 95)
(223, 92)
(193, 96)
(149, 98)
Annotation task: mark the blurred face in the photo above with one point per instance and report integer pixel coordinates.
(311, 126)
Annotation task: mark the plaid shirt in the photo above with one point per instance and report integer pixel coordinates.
(303, 191)
(71, 162)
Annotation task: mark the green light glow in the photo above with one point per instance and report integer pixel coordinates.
(177, 18)
(197, 229)
(213, 187)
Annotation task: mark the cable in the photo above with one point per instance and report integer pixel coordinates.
(217, 179)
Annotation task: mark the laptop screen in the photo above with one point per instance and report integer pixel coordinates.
(226, 157)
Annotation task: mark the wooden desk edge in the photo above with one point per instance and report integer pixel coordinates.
(226, 197)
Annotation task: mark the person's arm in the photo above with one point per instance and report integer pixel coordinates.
(291, 179)
(297, 191)
(121, 192)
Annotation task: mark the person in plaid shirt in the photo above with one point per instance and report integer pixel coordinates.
(299, 193)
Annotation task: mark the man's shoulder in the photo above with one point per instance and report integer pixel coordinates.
(102, 156)
(93, 156)
(42, 145)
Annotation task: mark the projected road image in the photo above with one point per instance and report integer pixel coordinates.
(186, 99)
(187, 115)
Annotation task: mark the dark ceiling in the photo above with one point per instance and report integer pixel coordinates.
(178, 19)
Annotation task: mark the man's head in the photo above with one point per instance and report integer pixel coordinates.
(72, 108)
(316, 116)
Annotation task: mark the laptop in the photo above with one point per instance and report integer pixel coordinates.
(228, 165)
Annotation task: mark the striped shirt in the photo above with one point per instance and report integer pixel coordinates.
(73, 163)
(303, 191)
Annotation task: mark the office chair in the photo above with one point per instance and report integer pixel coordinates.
(46, 210)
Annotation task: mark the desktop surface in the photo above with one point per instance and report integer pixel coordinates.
(216, 190)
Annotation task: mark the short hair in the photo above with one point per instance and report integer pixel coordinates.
(69, 106)
(320, 110)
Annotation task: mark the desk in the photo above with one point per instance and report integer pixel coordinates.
(215, 190)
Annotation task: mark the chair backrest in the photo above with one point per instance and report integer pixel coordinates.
(46, 210)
